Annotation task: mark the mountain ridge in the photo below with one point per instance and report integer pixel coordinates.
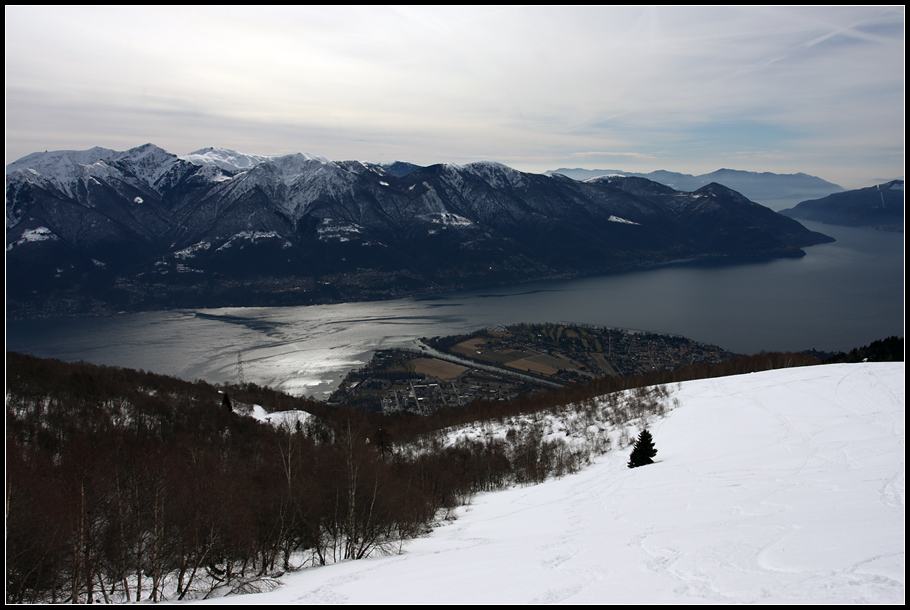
(874, 207)
(774, 190)
(105, 230)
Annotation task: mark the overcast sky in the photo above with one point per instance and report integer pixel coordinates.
(812, 89)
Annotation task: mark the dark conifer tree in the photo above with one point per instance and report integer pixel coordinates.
(644, 451)
(383, 441)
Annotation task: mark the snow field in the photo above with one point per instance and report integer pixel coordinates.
(784, 486)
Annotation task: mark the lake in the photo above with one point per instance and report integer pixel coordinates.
(840, 295)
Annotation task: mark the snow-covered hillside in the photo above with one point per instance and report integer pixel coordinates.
(778, 487)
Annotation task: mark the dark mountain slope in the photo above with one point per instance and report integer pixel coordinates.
(101, 230)
(875, 207)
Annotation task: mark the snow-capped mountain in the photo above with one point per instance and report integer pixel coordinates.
(229, 160)
(145, 228)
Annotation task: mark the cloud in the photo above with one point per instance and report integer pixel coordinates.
(603, 153)
(456, 83)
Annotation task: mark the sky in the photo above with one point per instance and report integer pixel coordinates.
(818, 90)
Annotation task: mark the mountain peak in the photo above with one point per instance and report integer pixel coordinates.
(235, 161)
(493, 172)
(400, 169)
(147, 162)
(223, 158)
(715, 190)
(48, 159)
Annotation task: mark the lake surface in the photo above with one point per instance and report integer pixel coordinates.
(839, 296)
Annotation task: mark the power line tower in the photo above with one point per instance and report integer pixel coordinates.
(240, 368)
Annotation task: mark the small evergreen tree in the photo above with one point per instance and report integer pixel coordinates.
(644, 451)
(383, 441)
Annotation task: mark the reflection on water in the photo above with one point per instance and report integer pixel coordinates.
(839, 296)
(266, 326)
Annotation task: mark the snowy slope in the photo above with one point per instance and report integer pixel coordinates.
(142, 165)
(223, 158)
(777, 487)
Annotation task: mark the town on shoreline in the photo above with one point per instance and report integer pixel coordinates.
(501, 363)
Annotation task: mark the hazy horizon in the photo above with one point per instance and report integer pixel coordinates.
(818, 90)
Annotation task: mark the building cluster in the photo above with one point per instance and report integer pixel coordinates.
(509, 361)
(598, 351)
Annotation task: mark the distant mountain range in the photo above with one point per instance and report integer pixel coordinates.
(875, 207)
(100, 230)
(777, 191)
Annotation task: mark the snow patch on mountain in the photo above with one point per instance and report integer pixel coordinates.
(448, 219)
(331, 229)
(598, 178)
(34, 235)
(250, 236)
(181, 268)
(191, 251)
